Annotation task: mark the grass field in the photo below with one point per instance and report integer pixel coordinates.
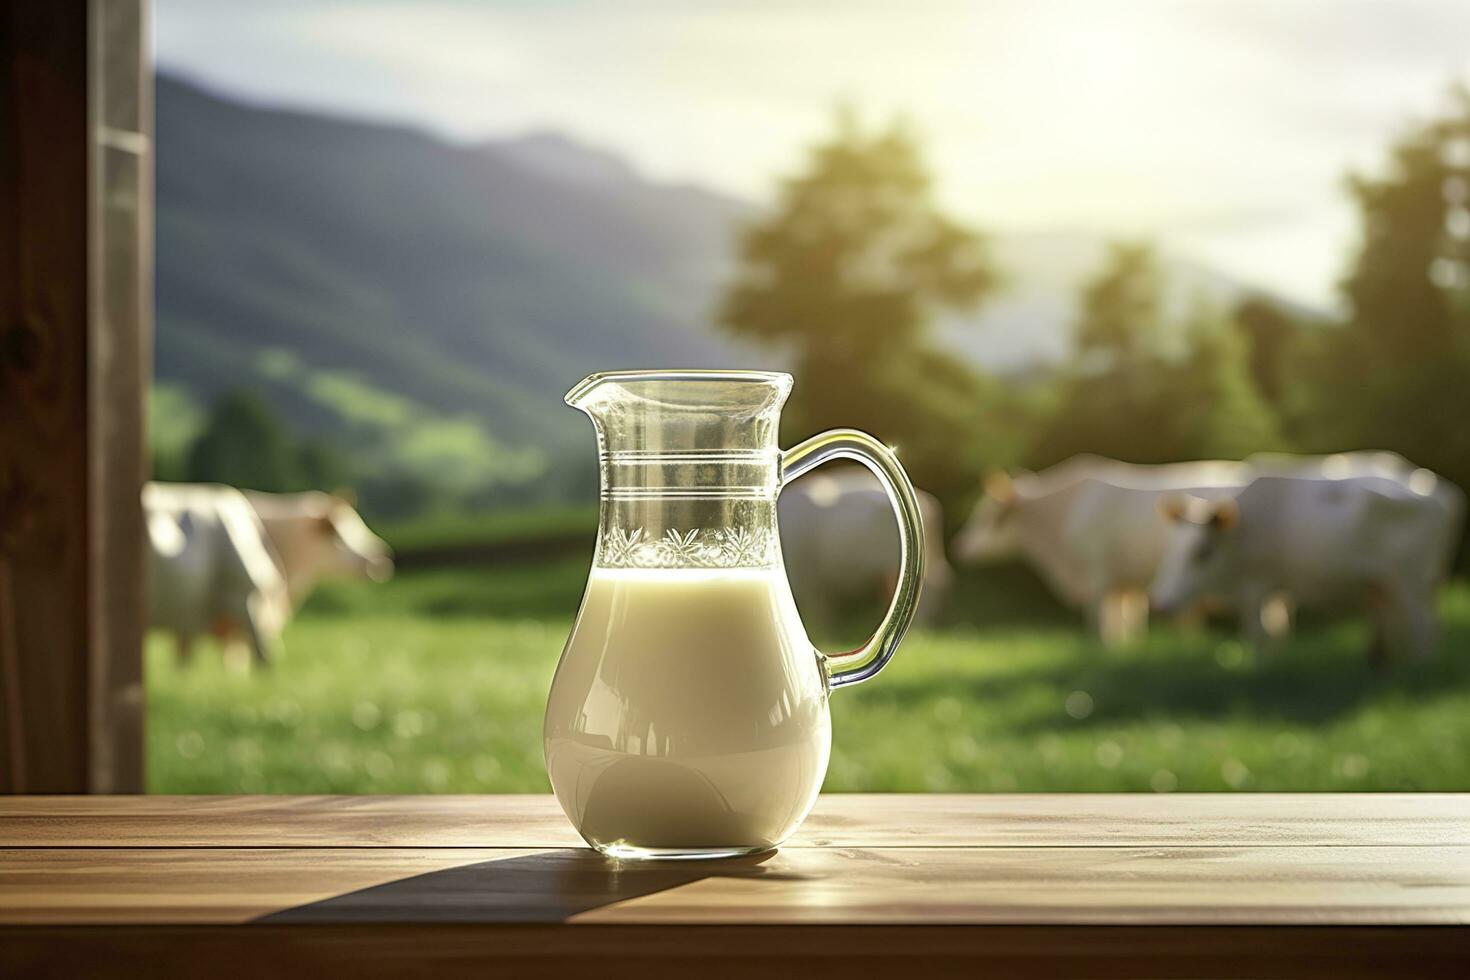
(436, 683)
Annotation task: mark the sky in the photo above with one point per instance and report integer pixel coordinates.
(1223, 128)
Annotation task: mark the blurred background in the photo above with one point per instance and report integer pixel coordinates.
(390, 236)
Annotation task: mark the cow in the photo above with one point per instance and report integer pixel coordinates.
(317, 535)
(839, 540)
(1381, 539)
(1091, 528)
(212, 569)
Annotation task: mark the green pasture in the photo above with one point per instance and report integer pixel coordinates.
(435, 682)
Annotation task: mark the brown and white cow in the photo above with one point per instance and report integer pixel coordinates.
(319, 535)
(238, 564)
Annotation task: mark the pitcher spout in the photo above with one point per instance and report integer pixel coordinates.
(583, 390)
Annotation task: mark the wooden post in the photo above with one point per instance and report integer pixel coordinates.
(75, 209)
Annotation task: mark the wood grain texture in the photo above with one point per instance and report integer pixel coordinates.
(1016, 886)
(74, 211)
(43, 397)
(856, 819)
(826, 886)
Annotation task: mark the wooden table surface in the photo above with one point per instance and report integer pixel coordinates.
(1057, 885)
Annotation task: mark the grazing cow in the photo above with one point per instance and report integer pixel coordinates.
(839, 540)
(212, 569)
(319, 535)
(1091, 527)
(1383, 539)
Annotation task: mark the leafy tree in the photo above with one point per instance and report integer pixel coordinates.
(244, 445)
(1109, 393)
(1125, 398)
(1122, 306)
(1409, 288)
(1403, 358)
(1271, 336)
(1211, 407)
(846, 274)
(322, 466)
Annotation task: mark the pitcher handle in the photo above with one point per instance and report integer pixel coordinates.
(852, 444)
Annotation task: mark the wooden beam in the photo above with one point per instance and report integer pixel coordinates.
(119, 368)
(74, 209)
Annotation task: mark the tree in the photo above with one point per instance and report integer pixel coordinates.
(1122, 306)
(1126, 398)
(321, 466)
(1271, 336)
(1409, 288)
(847, 275)
(1404, 354)
(243, 445)
(1211, 407)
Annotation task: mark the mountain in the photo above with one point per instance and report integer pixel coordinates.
(554, 156)
(299, 253)
(372, 278)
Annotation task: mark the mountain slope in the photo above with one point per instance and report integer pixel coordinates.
(458, 277)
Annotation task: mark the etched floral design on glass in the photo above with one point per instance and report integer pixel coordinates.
(739, 547)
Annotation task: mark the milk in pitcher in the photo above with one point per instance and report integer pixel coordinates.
(688, 711)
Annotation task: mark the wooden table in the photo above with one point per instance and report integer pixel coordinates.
(1063, 885)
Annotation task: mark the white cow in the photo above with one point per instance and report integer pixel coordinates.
(211, 568)
(319, 535)
(1092, 528)
(1383, 539)
(839, 541)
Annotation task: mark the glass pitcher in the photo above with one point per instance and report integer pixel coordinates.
(688, 716)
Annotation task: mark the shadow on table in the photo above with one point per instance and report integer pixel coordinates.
(550, 886)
